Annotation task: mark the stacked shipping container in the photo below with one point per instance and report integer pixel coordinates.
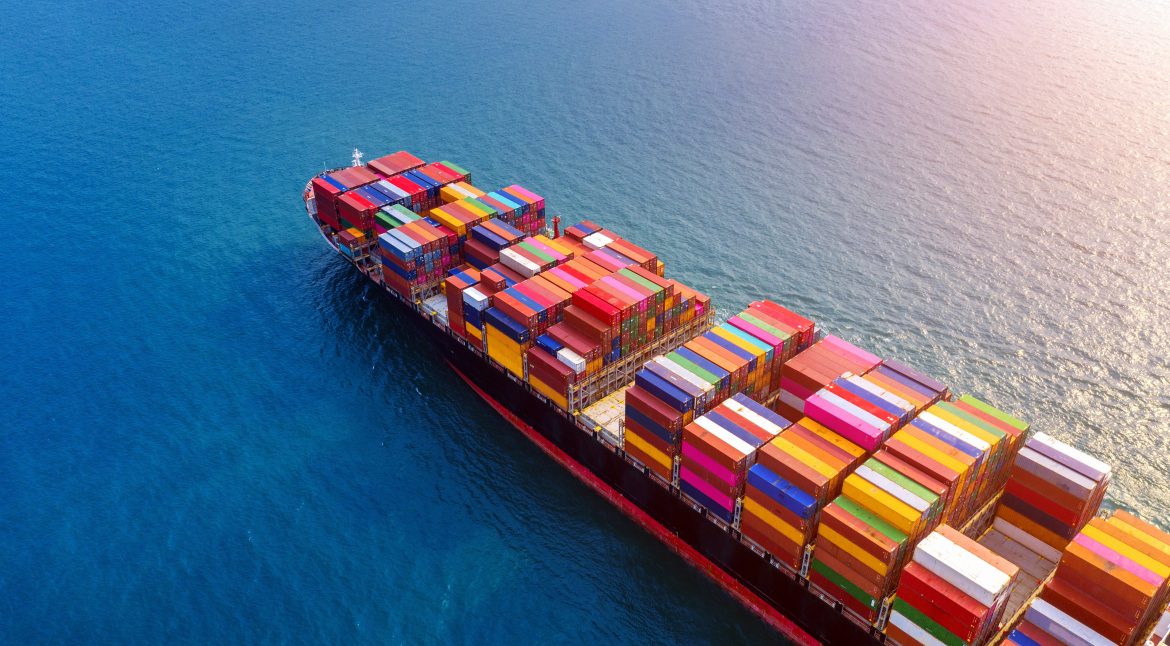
(953, 592)
(1110, 587)
(741, 356)
(866, 533)
(859, 410)
(815, 368)
(416, 255)
(718, 448)
(1052, 490)
(795, 476)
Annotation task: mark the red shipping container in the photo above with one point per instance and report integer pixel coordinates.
(417, 193)
(395, 163)
(1088, 610)
(654, 408)
(354, 176)
(651, 438)
(781, 547)
(949, 606)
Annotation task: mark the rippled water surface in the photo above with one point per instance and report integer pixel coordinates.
(213, 432)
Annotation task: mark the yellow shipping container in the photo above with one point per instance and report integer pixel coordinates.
(449, 221)
(829, 436)
(813, 462)
(505, 351)
(775, 522)
(548, 391)
(894, 511)
(479, 208)
(1093, 531)
(450, 194)
(473, 331)
(830, 535)
(647, 448)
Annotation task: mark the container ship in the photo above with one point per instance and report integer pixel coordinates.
(844, 497)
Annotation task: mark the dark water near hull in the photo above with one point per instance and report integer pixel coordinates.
(213, 432)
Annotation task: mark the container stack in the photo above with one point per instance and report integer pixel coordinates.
(462, 215)
(453, 176)
(532, 256)
(786, 332)
(653, 430)
(594, 238)
(354, 197)
(1015, 429)
(458, 190)
(1110, 587)
(632, 307)
(358, 207)
(415, 257)
(514, 211)
(1052, 490)
(795, 475)
(394, 164)
(594, 308)
(353, 243)
(476, 301)
(391, 217)
(859, 410)
(507, 340)
(920, 389)
(552, 368)
(979, 450)
(328, 190)
(740, 356)
(865, 534)
(457, 282)
(519, 207)
(953, 591)
(717, 449)
(814, 368)
(431, 184)
(523, 312)
(486, 240)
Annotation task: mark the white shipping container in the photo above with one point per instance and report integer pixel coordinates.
(854, 410)
(912, 629)
(691, 378)
(894, 489)
(979, 444)
(753, 417)
(977, 578)
(475, 298)
(571, 359)
(792, 400)
(1060, 625)
(724, 435)
(878, 391)
(1054, 472)
(596, 241)
(518, 263)
(1073, 457)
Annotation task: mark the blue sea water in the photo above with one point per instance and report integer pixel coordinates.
(214, 432)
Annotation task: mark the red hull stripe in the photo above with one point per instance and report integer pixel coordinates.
(690, 554)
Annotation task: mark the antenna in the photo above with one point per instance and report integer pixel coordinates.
(357, 157)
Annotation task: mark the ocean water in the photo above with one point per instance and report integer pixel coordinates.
(211, 431)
